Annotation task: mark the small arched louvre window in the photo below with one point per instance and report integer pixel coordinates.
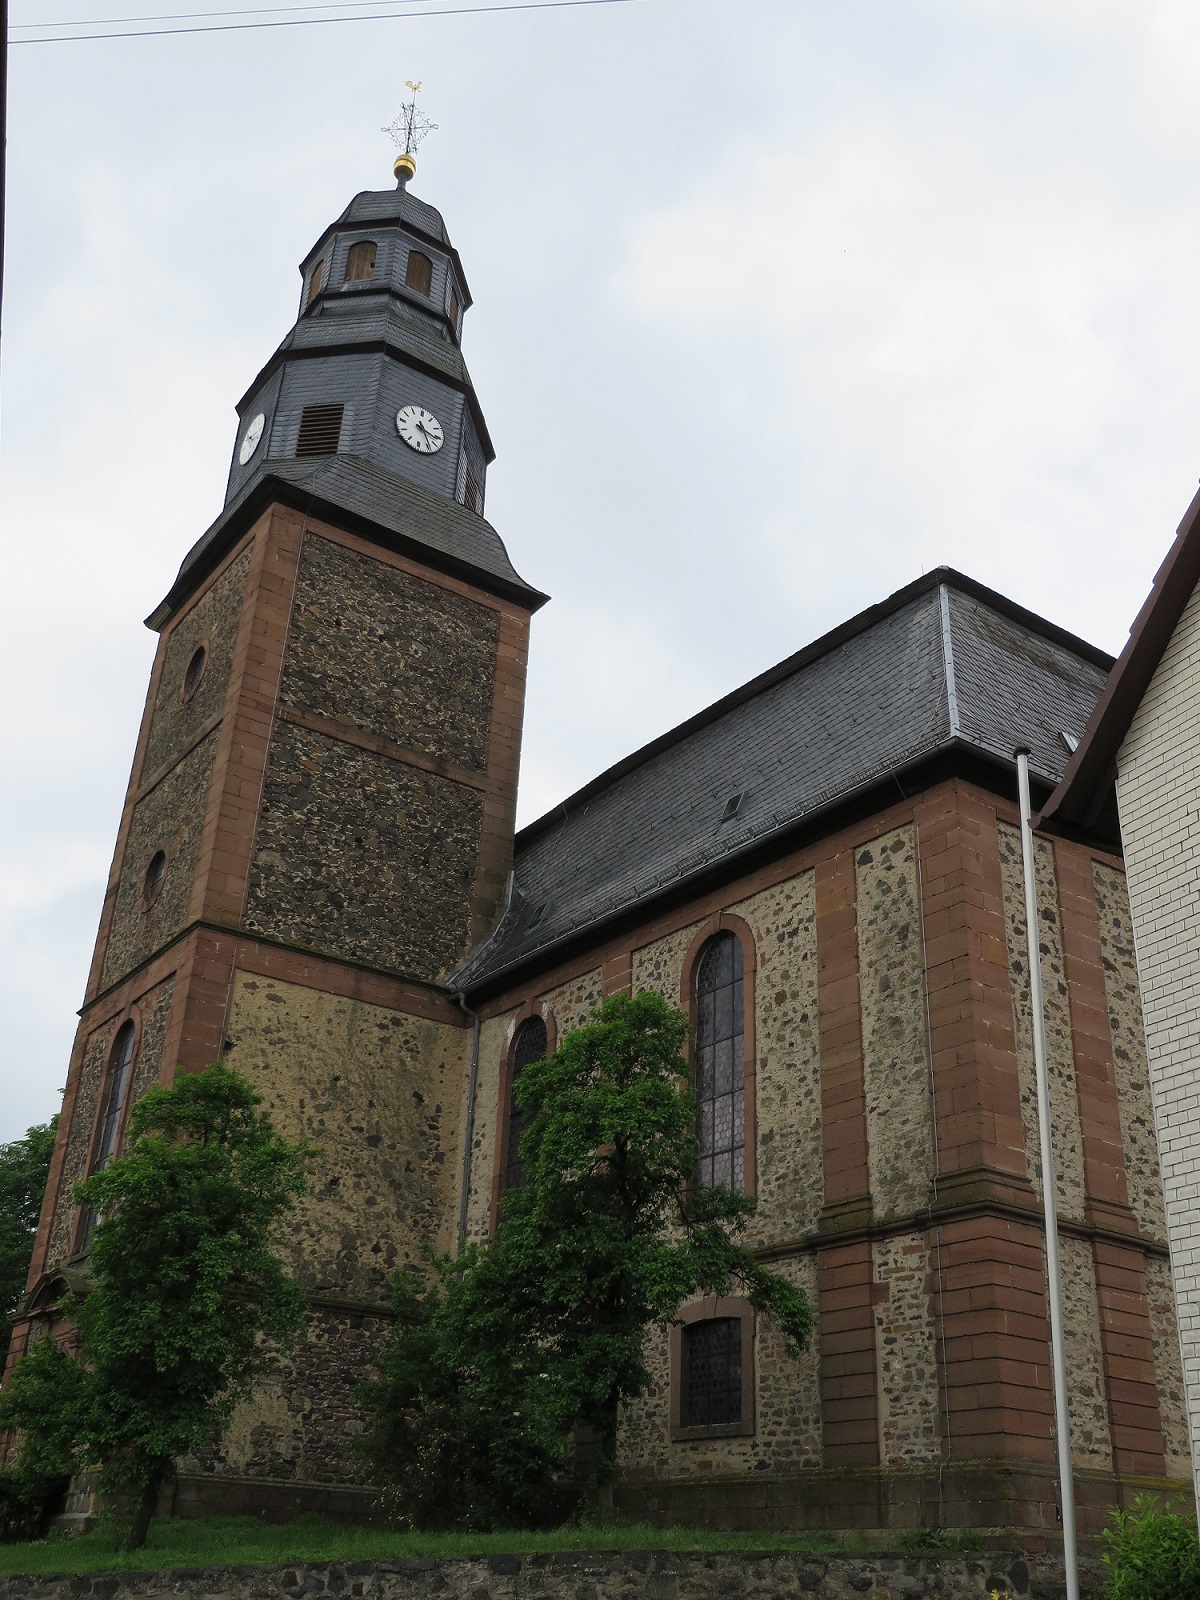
(528, 1046)
(720, 1064)
(360, 263)
(418, 275)
(314, 283)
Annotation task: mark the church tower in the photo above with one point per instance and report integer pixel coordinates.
(319, 821)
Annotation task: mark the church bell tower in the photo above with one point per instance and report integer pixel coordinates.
(319, 821)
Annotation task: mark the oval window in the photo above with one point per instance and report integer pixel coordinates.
(156, 871)
(194, 671)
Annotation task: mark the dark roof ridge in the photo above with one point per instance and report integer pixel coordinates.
(821, 646)
(1091, 768)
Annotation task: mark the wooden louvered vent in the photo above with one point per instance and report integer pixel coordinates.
(320, 430)
(419, 273)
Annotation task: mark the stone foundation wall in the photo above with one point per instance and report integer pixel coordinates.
(624, 1575)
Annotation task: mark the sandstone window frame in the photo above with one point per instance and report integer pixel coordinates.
(730, 922)
(712, 1309)
(531, 1011)
(100, 1152)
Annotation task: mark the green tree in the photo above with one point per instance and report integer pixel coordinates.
(187, 1302)
(24, 1168)
(544, 1327)
(1151, 1552)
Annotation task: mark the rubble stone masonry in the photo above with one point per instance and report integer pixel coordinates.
(364, 857)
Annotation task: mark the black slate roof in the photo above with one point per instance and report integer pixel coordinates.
(944, 664)
(338, 487)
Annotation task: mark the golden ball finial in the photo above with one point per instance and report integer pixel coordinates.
(404, 167)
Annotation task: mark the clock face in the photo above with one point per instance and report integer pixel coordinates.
(250, 442)
(420, 429)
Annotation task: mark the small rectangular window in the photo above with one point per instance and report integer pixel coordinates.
(320, 431)
(314, 283)
(712, 1375)
(419, 273)
(360, 263)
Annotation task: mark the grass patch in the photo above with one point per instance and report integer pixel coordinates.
(237, 1541)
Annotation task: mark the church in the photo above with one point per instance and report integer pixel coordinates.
(317, 878)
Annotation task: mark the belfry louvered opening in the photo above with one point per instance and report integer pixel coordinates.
(320, 431)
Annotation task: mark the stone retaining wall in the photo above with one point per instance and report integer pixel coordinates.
(625, 1575)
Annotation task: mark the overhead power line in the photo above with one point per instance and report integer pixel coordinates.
(188, 16)
(310, 22)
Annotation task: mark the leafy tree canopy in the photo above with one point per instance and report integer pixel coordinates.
(543, 1328)
(187, 1301)
(24, 1168)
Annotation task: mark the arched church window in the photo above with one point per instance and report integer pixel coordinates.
(720, 1064)
(314, 283)
(529, 1045)
(120, 1071)
(120, 1068)
(360, 263)
(418, 275)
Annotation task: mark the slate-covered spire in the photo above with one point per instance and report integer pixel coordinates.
(366, 410)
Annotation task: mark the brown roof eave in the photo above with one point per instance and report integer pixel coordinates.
(1092, 768)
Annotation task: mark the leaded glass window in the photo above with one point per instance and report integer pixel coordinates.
(712, 1377)
(529, 1045)
(120, 1069)
(720, 1067)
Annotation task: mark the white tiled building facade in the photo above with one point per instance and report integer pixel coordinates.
(1158, 793)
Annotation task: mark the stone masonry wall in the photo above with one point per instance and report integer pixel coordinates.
(572, 1575)
(1168, 1367)
(79, 1141)
(379, 1095)
(895, 1050)
(363, 857)
(153, 1009)
(301, 1422)
(906, 1353)
(791, 1179)
(391, 654)
(213, 623)
(1090, 1442)
(573, 1003)
(787, 1409)
(1129, 1051)
(169, 818)
(659, 965)
(494, 1036)
(1060, 1059)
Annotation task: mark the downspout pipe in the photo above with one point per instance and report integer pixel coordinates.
(1062, 1419)
(469, 1133)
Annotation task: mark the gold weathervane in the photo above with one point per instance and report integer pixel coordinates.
(409, 128)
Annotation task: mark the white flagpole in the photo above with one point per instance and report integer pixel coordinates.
(1053, 1271)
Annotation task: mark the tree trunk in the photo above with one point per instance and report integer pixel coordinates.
(144, 1513)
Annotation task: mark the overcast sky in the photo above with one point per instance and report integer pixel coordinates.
(778, 303)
